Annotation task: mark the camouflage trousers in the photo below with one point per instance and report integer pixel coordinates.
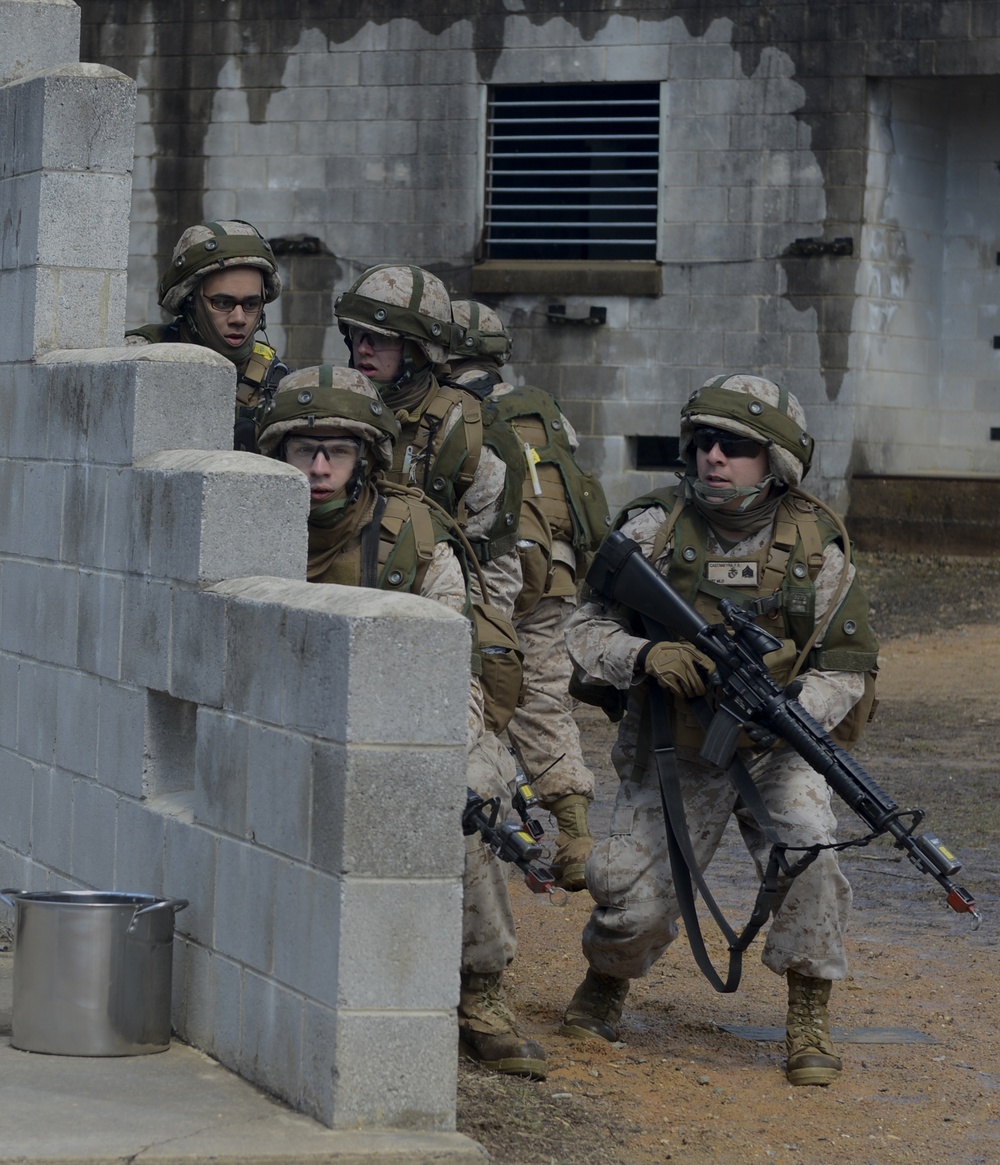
(628, 873)
(488, 937)
(543, 727)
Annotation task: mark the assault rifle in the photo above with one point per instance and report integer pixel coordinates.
(513, 843)
(750, 697)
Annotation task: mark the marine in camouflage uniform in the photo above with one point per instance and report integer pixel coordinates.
(738, 527)
(221, 275)
(365, 531)
(570, 507)
(396, 321)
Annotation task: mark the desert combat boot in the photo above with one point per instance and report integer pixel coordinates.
(596, 1008)
(573, 843)
(487, 1031)
(811, 1055)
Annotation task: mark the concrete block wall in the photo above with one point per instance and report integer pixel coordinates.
(65, 190)
(369, 135)
(365, 134)
(182, 714)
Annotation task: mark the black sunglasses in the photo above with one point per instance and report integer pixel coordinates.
(706, 438)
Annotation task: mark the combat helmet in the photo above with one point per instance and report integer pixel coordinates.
(399, 300)
(751, 406)
(328, 397)
(480, 332)
(213, 246)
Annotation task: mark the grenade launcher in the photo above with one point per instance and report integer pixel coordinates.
(750, 697)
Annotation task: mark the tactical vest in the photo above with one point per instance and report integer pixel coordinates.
(395, 552)
(779, 588)
(448, 461)
(407, 534)
(572, 500)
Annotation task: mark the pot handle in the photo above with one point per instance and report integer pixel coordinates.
(175, 904)
(16, 893)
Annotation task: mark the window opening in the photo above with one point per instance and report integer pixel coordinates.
(572, 171)
(657, 452)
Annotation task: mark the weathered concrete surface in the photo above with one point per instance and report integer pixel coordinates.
(176, 1107)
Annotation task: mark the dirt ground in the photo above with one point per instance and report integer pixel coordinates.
(679, 1087)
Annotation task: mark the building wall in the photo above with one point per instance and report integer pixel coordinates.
(929, 289)
(181, 713)
(358, 138)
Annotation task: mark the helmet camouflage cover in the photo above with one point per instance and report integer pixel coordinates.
(480, 332)
(214, 246)
(751, 406)
(332, 398)
(398, 300)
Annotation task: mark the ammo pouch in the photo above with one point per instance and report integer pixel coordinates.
(590, 509)
(500, 672)
(534, 548)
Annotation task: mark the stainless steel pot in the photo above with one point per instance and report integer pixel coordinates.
(92, 972)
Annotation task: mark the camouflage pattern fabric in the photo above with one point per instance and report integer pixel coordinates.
(489, 940)
(543, 727)
(628, 873)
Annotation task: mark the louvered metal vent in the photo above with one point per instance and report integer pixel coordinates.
(572, 171)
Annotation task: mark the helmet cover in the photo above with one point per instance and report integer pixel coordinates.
(751, 406)
(480, 332)
(397, 300)
(214, 246)
(327, 397)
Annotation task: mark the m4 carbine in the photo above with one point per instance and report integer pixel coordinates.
(749, 696)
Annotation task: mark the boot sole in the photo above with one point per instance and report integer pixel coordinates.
(814, 1074)
(510, 1066)
(573, 1031)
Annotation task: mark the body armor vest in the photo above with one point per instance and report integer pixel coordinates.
(778, 585)
(572, 501)
(393, 552)
(446, 461)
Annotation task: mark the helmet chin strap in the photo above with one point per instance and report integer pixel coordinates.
(357, 480)
(717, 497)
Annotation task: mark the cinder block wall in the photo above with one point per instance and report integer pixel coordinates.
(180, 713)
(357, 134)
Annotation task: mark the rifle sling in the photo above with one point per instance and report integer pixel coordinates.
(684, 866)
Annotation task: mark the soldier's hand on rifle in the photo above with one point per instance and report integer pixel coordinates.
(679, 667)
(763, 738)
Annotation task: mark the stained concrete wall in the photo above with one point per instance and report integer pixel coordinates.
(924, 331)
(180, 712)
(363, 129)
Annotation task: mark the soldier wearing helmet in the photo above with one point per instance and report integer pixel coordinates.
(397, 324)
(220, 277)
(737, 526)
(569, 506)
(331, 424)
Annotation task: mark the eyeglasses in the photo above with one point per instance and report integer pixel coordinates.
(706, 438)
(337, 450)
(224, 304)
(374, 340)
